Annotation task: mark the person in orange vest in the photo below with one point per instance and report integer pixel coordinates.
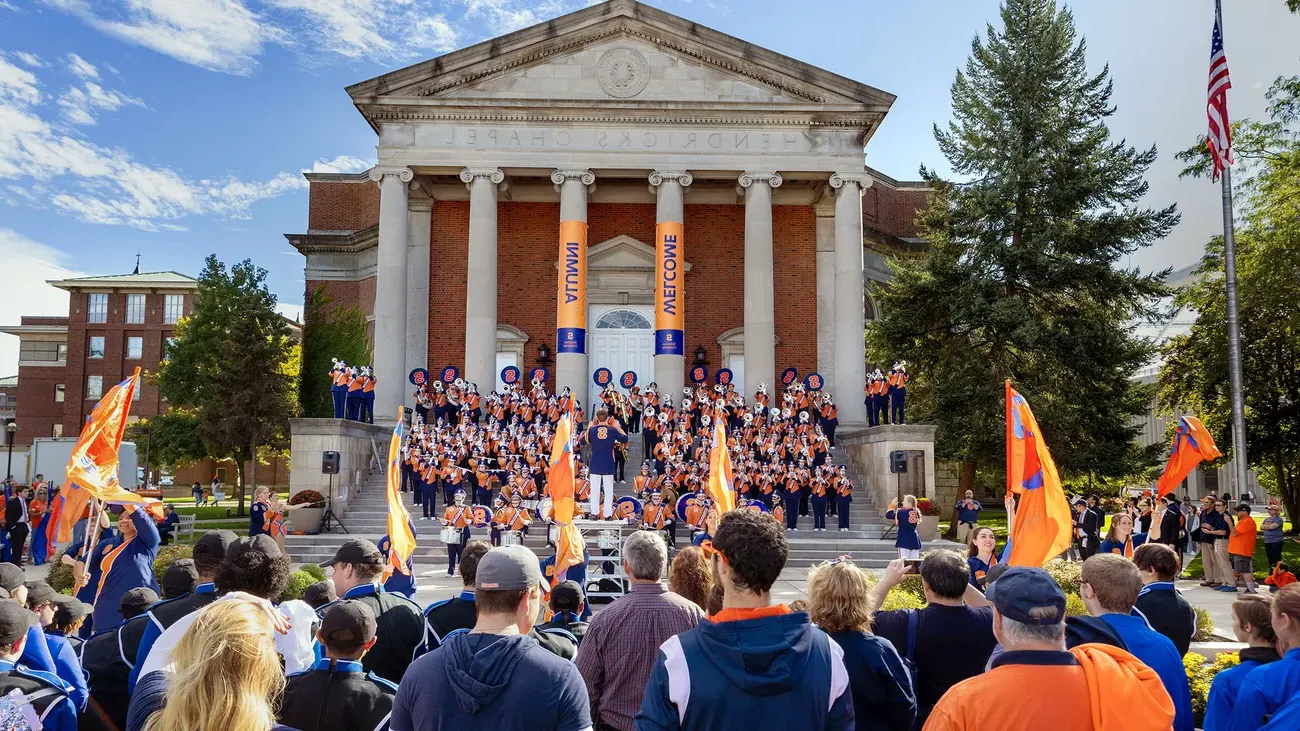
(339, 387)
(367, 414)
(355, 384)
(656, 516)
(897, 392)
(459, 517)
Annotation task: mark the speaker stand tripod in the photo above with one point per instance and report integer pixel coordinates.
(329, 519)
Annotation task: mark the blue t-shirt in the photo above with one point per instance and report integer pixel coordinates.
(1158, 653)
(968, 511)
(484, 681)
(907, 522)
(1265, 690)
(603, 438)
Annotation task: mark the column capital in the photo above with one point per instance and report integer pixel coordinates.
(862, 180)
(747, 179)
(403, 174)
(682, 177)
(586, 176)
(496, 175)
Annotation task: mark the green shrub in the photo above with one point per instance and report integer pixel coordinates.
(316, 571)
(1204, 626)
(1074, 606)
(1066, 574)
(59, 577)
(901, 600)
(298, 583)
(167, 555)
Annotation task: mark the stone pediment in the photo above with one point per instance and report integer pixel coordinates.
(616, 55)
(622, 253)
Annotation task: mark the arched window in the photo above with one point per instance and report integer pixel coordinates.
(623, 320)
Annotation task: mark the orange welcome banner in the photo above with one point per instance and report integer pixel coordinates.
(571, 299)
(670, 300)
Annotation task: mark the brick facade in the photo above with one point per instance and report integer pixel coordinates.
(342, 206)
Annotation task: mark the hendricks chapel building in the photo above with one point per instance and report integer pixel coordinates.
(617, 188)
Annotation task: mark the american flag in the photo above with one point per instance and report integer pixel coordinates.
(1216, 106)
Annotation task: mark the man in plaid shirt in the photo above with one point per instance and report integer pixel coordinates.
(621, 643)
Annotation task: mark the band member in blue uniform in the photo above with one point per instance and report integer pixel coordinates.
(339, 388)
(897, 392)
(906, 518)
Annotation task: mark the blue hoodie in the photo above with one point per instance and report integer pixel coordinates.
(768, 672)
(483, 681)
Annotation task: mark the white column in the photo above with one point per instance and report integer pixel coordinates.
(760, 314)
(670, 368)
(419, 226)
(825, 212)
(571, 363)
(850, 350)
(390, 291)
(481, 277)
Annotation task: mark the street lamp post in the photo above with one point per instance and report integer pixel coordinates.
(11, 429)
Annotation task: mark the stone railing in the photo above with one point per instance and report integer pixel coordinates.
(311, 438)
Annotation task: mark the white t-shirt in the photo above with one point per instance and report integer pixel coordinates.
(295, 647)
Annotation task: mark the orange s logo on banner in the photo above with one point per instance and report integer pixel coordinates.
(571, 300)
(670, 272)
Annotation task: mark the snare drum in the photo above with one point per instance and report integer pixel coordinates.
(607, 539)
(450, 535)
(531, 504)
(512, 538)
(552, 532)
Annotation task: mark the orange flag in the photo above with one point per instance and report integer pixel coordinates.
(568, 550)
(401, 538)
(720, 475)
(1192, 445)
(92, 468)
(559, 479)
(1044, 525)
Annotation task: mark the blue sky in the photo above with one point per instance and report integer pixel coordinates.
(177, 128)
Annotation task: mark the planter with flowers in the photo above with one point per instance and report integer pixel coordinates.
(928, 529)
(307, 519)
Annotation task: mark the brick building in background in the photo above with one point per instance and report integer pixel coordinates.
(114, 324)
(482, 152)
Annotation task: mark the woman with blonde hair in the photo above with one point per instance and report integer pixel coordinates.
(225, 674)
(689, 576)
(882, 687)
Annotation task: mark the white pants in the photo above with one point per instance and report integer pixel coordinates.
(913, 553)
(602, 484)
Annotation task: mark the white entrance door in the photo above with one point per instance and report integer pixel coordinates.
(622, 339)
(503, 360)
(737, 365)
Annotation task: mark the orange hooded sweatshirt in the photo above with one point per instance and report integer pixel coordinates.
(1104, 689)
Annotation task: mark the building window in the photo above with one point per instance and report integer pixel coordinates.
(623, 320)
(173, 308)
(167, 348)
(134, 348)
(135, 395)
(132, 418)
(94, 387)
(96, 347)
(59, 393)
(97, 308)
(42, 352)
(135, 309)
(58, 431)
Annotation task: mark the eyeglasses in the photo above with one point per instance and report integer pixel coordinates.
(709, 551)
(841, 559)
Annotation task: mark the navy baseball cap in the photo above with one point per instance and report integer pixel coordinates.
(1028, 595)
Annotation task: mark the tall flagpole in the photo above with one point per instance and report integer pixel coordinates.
(1240, 463)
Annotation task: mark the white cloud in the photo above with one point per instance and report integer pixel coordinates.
(340, 164)
(80, 105)
(28, 264)
(82, 68)
(107, 185)
(29, 59)
(220, 35)
(17, 86)
(371, 29)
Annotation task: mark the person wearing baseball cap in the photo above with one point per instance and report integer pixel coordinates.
(36, 653)
(49, 695)
(567, 603)
(209, 552)
(1036, 683)
(358, 572)
(337, 692)
(41, 601)
(487, 677)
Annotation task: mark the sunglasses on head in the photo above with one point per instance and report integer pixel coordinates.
(709, 551)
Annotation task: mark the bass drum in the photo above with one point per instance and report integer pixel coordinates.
(545, 509)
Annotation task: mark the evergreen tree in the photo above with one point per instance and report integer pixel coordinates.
(1025, 277)
(230, 366)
